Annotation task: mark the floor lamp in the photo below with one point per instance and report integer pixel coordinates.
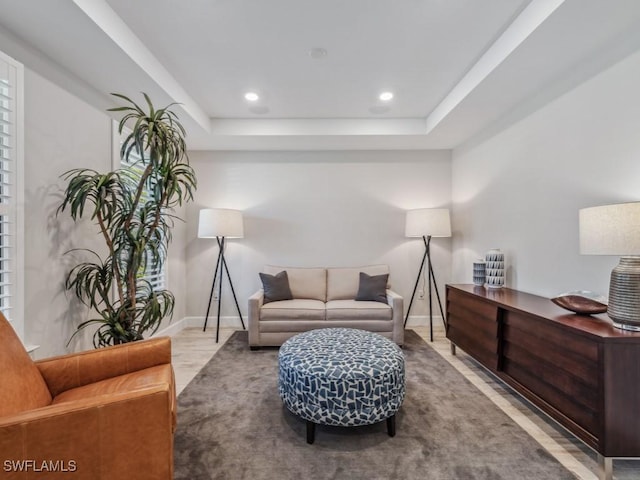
(220, 223)
(428, 223)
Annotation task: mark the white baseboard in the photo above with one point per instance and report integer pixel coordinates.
(198, 322)
(176, 327)
(172, 329)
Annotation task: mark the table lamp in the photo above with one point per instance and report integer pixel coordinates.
(615, 230)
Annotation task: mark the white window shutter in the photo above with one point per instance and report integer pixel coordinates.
(11, 168)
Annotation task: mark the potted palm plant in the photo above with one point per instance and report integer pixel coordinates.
(132, 207)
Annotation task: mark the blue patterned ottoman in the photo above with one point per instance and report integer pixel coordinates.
(341, 376)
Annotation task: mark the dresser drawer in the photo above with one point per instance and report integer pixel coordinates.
(559, 366)
(473, 326)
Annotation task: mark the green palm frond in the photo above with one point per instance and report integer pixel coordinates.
(132, 208)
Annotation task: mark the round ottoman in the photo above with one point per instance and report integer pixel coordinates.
(341, 376)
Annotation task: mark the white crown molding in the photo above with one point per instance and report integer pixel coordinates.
(518, 31)
(115, 28)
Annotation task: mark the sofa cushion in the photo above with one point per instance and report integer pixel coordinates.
(372, 288)
(297, 309)
(355, 310)
(287, 326)
(275, 287)
(343, 283)
(308, 283)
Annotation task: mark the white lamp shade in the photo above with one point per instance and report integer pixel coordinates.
(610, 229)
(434, 222)
(220, 222)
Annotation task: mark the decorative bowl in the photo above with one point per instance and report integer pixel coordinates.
(581, 301)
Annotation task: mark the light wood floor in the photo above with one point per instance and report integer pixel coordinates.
(192, 349)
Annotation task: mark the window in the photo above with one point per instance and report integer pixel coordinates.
(155, 272)
(11, 215)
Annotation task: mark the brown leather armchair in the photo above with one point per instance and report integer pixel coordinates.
(101, 414)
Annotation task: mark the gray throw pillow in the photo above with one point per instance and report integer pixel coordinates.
(372, 288)
(276, 287)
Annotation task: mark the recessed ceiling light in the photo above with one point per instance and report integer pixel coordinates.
(251, 96)
(386, 96)
(317, 53)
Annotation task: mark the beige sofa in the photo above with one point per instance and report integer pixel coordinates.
(323, 298)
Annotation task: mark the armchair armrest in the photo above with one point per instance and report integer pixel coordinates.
(77, 369)
(78, 406)
(94, 436)
(397, 306)
(255, 303)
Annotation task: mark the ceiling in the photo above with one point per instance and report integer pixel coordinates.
(458, 69)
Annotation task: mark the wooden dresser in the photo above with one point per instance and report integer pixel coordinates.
(579, 369)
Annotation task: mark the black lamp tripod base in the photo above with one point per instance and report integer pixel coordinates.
(432, 281)
(220, 265)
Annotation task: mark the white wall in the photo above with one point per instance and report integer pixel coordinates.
(61, 133)
(175, 267)
(521, 190)
(315, 209)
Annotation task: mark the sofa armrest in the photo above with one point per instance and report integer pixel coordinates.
(257, 297)
(94, 436)
(77, 369)
(255, 304)
(397, 306)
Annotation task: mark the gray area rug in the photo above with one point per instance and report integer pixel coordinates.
(232, 425)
